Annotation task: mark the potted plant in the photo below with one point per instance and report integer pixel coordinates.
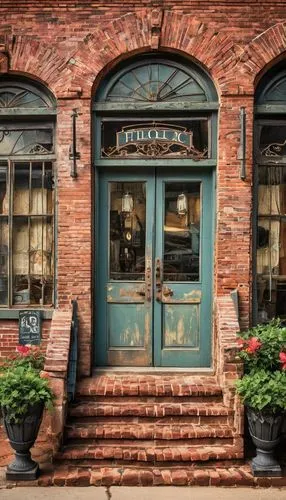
(263, 390)
(23, 395)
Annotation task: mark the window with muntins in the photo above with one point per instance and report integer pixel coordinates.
(26, 195)
(270, 195)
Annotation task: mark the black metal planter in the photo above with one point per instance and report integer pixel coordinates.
(22, 437)
(265, 431)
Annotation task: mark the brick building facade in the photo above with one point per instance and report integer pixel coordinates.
(73, 54)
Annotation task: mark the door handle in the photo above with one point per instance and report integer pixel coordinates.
(158, 277)
(148, 280)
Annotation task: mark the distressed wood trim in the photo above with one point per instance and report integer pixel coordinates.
(155, 106)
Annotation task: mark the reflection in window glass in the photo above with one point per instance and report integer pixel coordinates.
(182, 232)
(273, 140)
(271, 243)
(127, 222)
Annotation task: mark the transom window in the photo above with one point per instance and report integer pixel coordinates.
(26, 194)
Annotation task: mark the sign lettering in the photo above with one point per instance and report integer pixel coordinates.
(156, 133)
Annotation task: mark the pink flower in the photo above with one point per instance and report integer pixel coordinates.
(253, 345)
(23, 350)
(282, 358)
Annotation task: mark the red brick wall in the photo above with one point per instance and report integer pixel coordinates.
(9, 336)
(69, 45)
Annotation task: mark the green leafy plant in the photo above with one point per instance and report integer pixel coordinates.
(22, 387)
(263, 347)
(263, 390)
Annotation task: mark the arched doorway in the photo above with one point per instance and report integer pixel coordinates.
(155, 153)
(270, 196)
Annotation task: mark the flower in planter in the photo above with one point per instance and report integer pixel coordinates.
(253, 344)
(282, 357)
(24, 350)
(260, 346)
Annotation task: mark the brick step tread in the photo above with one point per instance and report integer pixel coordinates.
(94, 409)
(148, 453)
(148, 385)
(166, 420)
(147, 431)
(233, 475)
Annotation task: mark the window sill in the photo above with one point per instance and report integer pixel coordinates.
(14, 313)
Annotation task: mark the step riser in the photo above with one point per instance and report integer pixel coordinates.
(139, 411)
(165, 432)
(165, 455)
(159, 442)
(148, 399)
(217, 420)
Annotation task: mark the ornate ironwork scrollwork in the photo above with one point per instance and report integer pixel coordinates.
(154, 149)
(274, 149)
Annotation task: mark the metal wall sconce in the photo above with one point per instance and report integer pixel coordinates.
(241, 154)
(74, 155)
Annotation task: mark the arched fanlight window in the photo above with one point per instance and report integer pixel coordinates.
(27, 111)
(157, 82)
(270, 194)
(183, 94)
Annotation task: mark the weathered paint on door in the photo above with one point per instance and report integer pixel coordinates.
(154, 269)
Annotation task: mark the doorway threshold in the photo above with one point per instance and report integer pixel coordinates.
(153, 370)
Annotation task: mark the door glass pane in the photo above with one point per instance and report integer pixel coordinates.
(127, 223)
(182, 231)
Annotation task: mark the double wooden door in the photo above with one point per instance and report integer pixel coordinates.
(154, 268)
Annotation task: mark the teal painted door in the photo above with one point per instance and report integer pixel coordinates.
(154, 269)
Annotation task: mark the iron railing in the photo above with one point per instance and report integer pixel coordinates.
(73, 353)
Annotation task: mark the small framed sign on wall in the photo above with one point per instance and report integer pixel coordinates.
(30, 327)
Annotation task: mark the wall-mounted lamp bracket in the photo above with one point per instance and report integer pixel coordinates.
(241, 153)
(74, 154)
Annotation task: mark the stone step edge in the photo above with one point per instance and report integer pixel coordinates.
(149, 453)
(151, 409)
(239, 476)
(190, 391)
(148, 431)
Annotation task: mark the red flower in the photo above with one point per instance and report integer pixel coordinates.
(253, 345)
(23, 349)
(44, 375)
(282, 357)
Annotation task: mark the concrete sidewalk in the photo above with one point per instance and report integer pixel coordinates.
(139, 493)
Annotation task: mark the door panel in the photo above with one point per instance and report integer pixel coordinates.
(155, 282)
(182, 310)
(124, 312)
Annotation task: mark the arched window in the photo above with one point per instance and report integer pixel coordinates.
(270, 196)
(27, 155)
(165, 108)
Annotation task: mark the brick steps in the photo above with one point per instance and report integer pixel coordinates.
(153, 431)
(134, 421)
